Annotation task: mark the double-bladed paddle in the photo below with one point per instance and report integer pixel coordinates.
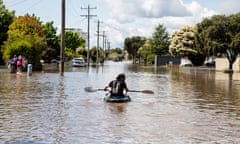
(91, 89)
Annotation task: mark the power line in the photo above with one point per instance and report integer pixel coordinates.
(16, 3)
(33, 5)
(77, 21)
(73, 8)
(117, 29)
(25, 1)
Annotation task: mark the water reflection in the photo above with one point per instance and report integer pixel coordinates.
(189, 106)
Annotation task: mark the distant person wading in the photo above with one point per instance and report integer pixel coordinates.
(13, 65)
(19, 64)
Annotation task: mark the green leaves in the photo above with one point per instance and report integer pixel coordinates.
(26, 38)
(147, 49)
(220, 35)
(160, 40)
(6, 18)
(72, 40)
(236, 41)
(133, 44)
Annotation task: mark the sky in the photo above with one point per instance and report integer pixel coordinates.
(124, 18)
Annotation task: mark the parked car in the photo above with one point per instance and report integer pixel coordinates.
(78, 62)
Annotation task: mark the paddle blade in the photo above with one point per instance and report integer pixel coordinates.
(148, 92)
(90, 89)
(143, 91)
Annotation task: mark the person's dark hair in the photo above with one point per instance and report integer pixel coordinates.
(121, 76)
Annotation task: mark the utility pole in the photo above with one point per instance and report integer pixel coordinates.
(98, 25)
(62, 39)
(108, 46)
(103, 41)
(98, 35)
(88, 16)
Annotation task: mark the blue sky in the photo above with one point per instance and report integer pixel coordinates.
(125, 18)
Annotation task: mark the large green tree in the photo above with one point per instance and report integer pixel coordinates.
(219, 35)
(6, 18)
(53, 42)
(25, 37)
(160, 40)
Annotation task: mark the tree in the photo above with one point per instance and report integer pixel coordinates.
(93, 54)
(185, 43)
(6, 18)
(72, 42)
(131, 45)
(82, 52)
(146, 53)
(219, 34)
(25, 37)
(236, 42)
(157, 45)
(116, 53)
(117, 50)
(160, 40)
(53, 42)
(234, 21)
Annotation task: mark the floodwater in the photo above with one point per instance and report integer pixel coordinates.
(189, 105)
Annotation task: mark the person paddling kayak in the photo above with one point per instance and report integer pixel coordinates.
(117, 87)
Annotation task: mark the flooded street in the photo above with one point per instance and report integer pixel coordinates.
(188, 106)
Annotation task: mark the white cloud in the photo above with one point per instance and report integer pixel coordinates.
(140, 17)
(152, 13)
(126, 11)
(160, 8)
(121, 10)
(199, 12)
(173, 23)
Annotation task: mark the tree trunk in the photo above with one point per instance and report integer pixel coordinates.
(230, 67)
(134, 60)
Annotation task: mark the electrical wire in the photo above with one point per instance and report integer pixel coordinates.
(16, 3)
(117, 29)
(32, 6)
(73, 10)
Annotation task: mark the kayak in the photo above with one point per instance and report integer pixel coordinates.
(117, 98)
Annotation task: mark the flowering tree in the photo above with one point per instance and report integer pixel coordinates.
(185, 43)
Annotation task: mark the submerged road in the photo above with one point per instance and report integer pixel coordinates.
(188, 106)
